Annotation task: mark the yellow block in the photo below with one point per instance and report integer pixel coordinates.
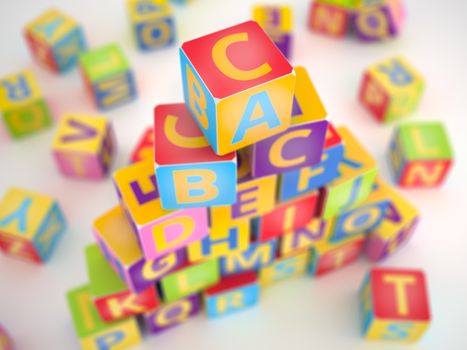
(396, 330)
(151, 9)
(51, 26)
(264, 16)
(24, 94)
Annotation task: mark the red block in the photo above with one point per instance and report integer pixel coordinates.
(144, 148)
(374, 97)
(19, 248)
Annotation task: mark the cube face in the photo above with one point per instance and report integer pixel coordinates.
(172, 314)
(358, 173)
(329, 19)
(152, 22)
(303, 238)
(392, 89)
(108, 76)
(84, 146)
(22, 105)
(394, 305)
(277, 23)
(420, 154)
(232, 294)
(30, 224)
(188, 172)
(284, 268)
(300, 182)
(92, 331)
(256, 256)
(145, 148)
(189, 280)
(55, 40)
(257, 101)
(286, 217)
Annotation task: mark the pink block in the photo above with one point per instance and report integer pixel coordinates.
(79, 165)
(186, 226)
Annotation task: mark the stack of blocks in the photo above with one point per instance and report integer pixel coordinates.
(368, 20)
(248, 184)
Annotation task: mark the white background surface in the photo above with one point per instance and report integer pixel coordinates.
(299, 314)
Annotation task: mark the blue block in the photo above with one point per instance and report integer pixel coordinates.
(53, 226)
(155, 34)
(232, 301)
(67, 50)
(256, 256)
(114, 91)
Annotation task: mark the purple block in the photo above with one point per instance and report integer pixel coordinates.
(172, 314)
(301, 151)
(284, 44)
(376, 24)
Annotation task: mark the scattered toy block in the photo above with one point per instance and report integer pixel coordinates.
(256, 256)
(328, 18)
(358, 171)
(297, 183)
(255, 197)
(188, 172)
(420, 154)
(220, 242)
(31, 225)
(120, 246)
(394, 305)
(152, 23)
(189, 279)
(107, 76)
(396, 228)
(110, 294)
(22, 105)
(303, 238)
(238, 86)
(55, 40)
(93, 332)
(391, 89)
(84, 146)
(159, 231)
(285, 218)
(172, 314)
(232, 294)
(284, 268)
(302, 144)
(326, 259)
(277, 22)
(145, 148)
(6, 343)
(379, 21)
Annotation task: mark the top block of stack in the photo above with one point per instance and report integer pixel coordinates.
(238, 86)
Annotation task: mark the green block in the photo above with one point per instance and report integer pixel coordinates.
(424, 141)
(28, 119)
(190, 280)
(103, 280)
(104, 62)
(349, 4)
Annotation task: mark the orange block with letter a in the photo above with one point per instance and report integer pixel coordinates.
(394, 305)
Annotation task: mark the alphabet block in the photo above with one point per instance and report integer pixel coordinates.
(284, 268)
(95, 334)
(55, 40)
(277, 22)
(107, 76)
(304, 181)
(285, 218)
(172, 314)
(357, 172)
(120, 246)
(302, 144)
(394, 305)
(145, 148)
(152, 23)
(391, 89)
(188, 172)
(110, 294)
(221, 242)
(84, 146)
(329, 18)
(303, 238)
(396, 228)
(255, 197)
(380, 21)
(31, 225)
(22, 105)
(420, 154)
(189, 279)
(237, 98)
(159, 231)
(349, 4)
(232, 294)
(256, 256)
(331, 258)
(6, 343)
